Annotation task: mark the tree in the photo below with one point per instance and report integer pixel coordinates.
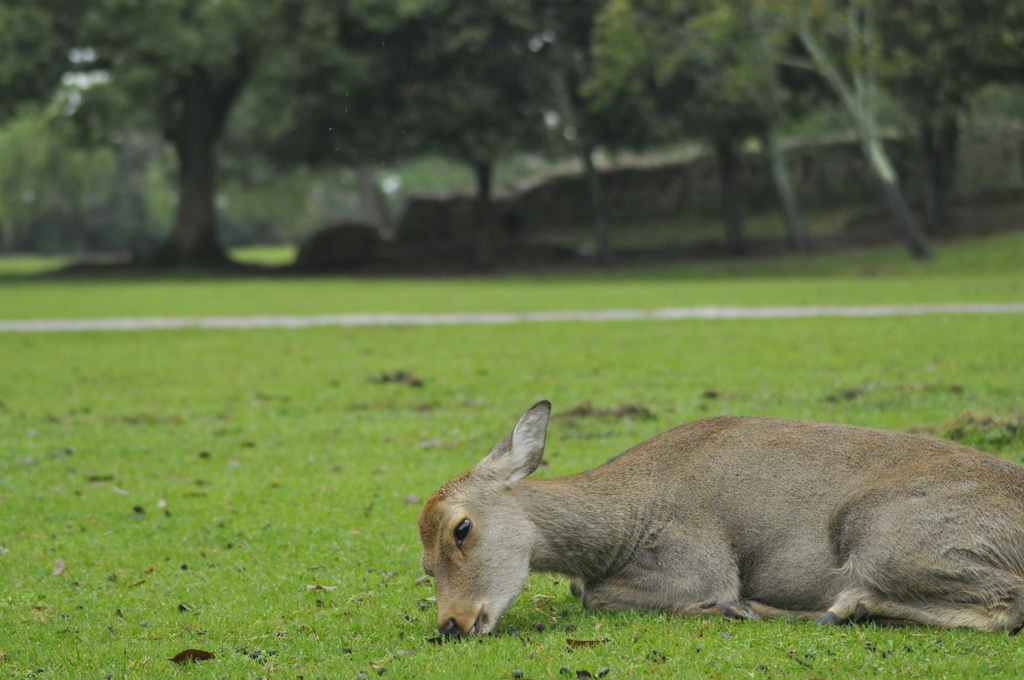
(389, 79)
(936, 51)
(690, 63)
(567, 43)
(841, 38)
(186, 63)
(475, 93)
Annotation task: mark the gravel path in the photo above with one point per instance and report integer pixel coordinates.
(168, 323)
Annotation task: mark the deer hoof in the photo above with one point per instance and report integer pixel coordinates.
(830, 619)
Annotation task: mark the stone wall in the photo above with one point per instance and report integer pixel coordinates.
(827, 173)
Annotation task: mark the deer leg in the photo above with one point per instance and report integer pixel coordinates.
(851, 605)
(679, 570)
(860, 604)
(576, 587)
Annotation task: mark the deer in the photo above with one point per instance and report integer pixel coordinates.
(743, 517)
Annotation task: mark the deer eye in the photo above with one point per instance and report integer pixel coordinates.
(461, 531)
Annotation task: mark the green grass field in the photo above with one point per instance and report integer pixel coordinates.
(196, 483)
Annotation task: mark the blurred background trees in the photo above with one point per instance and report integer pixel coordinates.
(175, 129)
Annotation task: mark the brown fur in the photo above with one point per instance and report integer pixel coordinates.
(744, 517)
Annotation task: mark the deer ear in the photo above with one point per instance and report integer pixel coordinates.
(521, 450)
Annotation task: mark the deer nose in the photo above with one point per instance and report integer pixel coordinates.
(450, 629)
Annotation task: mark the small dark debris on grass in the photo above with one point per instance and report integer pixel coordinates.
(362, 676)
(347, 650)
(583, 409)
(727, 636)
(100, 478)
(204, 454)
(119, 614)
(603, 672)
(409, 379)
(538, 626)
(565, 670)
(139, 510)
(794, 657)
(422, 408)
(762, 667)
(112, 577)
(184, 566)
(382, 670)
(192, 655)
(710, 394)
(844, 395)
(583, 675)
(184, 607)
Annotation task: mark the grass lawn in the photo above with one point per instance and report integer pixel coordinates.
(982, 270)
(196, 483)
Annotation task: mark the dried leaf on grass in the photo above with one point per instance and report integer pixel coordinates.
(584, 643)
(319, 587)
(58, 566)
(191, 655)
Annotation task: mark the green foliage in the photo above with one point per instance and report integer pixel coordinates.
(477, 93)
(35, 39)
(45, 176)
(283, 467)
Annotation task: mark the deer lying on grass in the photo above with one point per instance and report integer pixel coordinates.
(744, 517)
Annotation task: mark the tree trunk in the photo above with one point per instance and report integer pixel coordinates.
(859, 97)
(732, 193)
(483, 256)
(906, 223)
(78, 225)
(372, 201)
(940, 153)
(195, 132)
(796, 229)
(602, 227)
(8, 238)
